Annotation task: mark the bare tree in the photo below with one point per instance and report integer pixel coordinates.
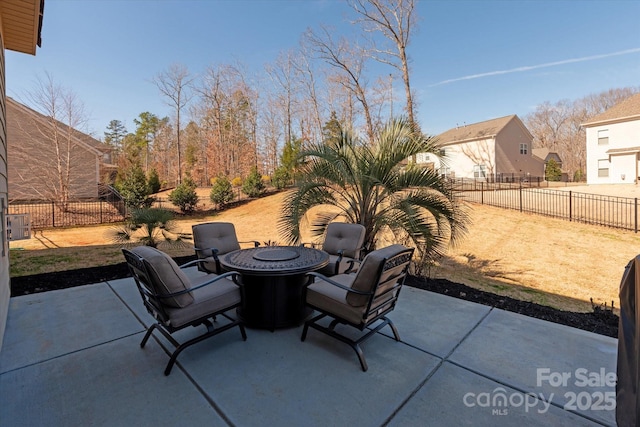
(349, 60)
(228, 120)
(174, 83)
(395, 19)
(49, 150)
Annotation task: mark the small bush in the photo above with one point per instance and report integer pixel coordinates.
(552, 171)
(184, 196)
(221, 192)
(281, 178)
(237, 181)
(253, 185)
(153, 182)
(133, 188)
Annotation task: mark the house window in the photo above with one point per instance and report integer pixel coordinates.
(603, 168)
(524, 148)
(603, 137)
(422, 158)
(445, 172)
(479, 171)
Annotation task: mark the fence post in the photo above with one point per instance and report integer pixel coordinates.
(53, 214)
(482, 193)
(635, 209)
(100, 211)
(520, 196)
(570, 206)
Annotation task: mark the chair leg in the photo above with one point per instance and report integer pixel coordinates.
(147, 335)
(363, 362)
(393, 328)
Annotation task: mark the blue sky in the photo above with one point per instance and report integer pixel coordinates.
(471, 60)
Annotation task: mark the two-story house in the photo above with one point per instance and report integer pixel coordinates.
(613, 144)
(494, 149)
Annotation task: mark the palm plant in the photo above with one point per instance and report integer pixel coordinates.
(367, 184)
(149, 227)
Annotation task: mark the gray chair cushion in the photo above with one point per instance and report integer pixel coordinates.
(166, 276)
(366, 277)
(346, 237)
(206, 300)
(218, 235)
(330, 298)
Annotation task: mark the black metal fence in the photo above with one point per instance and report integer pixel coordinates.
(609, 211)
(50, 214)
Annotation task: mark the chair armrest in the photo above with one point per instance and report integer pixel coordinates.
(334, 283)
(255, 242)
(202, 285)
(203, 252)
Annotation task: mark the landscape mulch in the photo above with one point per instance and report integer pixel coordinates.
(600, 321)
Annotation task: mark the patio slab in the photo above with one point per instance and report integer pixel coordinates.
(111, 384)
(76, 353)
(46, 325)
(455, 396)
(571, 365)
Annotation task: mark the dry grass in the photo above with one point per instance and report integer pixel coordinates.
(534, 258)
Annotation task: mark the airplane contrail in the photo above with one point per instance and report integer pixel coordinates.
(533, 67)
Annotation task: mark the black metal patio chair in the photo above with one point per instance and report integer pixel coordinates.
(359, 300)
(176, 302)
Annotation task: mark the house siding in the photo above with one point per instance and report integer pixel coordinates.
(5, 288)
(623, 167)
(463, 157)
(509, 160)
(33, 167)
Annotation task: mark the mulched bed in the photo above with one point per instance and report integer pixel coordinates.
(600, 321)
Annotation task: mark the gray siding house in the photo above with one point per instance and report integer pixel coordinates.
(34, 163)
(20, 28)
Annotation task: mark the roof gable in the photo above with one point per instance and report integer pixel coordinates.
(627, 110)
(80, 138)
(477, 131)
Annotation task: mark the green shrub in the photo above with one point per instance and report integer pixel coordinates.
(253, 185)
(153, 182)
(133, 188)
(552, 172)
(184, 196)
(221, 192)
(281, 178)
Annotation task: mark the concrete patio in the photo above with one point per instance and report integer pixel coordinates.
(72, 357)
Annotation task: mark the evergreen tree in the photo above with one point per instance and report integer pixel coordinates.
(114, 135)
(154, 181)
(253, 185)
(184, 196)
(332, 130)
(552, 172)
(221, 191)
(133, 188)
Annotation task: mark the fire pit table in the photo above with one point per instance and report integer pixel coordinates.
(273, 283)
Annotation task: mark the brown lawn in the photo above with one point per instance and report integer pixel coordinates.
(534, 258)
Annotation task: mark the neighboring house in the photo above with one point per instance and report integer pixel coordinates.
(20, 28)
(33, 161)
(613, 144)
(545, 155)
(493, 149)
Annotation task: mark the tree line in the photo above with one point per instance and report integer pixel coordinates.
(236, 122)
